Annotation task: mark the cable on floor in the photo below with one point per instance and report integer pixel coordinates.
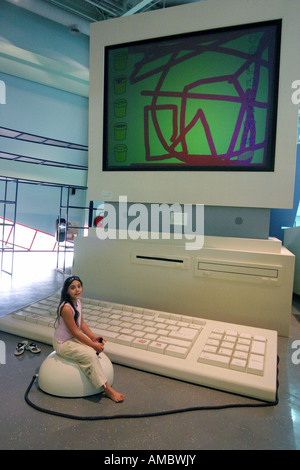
(151, 414)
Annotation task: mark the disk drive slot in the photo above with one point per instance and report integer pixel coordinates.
(249, 272)
(170, 261)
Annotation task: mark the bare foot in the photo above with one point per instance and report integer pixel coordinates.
(112, 394)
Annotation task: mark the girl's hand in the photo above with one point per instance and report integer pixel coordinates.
(99, 347)
(98, 338)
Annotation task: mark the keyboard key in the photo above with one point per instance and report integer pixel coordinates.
(259, 338)
(162, 332)
(171, 322)
(210, 348)
(157, 347)
(182, 323)
(137, 327)
(238, 364)
(176, 351)
(225, 352)
(33, 318)
(258, 347)
(256, 364)
(138, 334)
(151, 336)
(164, 315)
(108, 335)
(126, 331)
(114, 328)
(242, 347)
(92, 323)
(102, 326)
(42, 306)
(185, 333)
(245, 335)
(218, 330)
(240, 355)
(196, 326)
(141, 343)
(45, 321)
(138, 321)
(149, 313)
(214, 359)
(198, 321)
(217, 336)
(150, 329)
(229, 338)
(232, 333)
(245, 341)
(172, 328)
(127, 308)
(138, 310)
(114, 322)
(174, 341)
(124, 339)
(213, 342)
(32, 310)
(21, 315)
(227, 344)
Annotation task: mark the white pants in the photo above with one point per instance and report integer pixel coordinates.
(86, 358)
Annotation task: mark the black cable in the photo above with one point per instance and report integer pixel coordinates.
(156, 413)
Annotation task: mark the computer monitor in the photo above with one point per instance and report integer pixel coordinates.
(205, 100)
(192, 105)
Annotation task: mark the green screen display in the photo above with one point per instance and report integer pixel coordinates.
(200, 101)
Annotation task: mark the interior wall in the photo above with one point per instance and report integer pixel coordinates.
(280, 218)
(45, 111)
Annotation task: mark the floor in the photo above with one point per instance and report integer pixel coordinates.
(26, 428)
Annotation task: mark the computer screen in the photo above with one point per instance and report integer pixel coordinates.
(192, 105)
(206, 100)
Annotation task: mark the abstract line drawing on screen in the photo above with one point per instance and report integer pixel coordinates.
(218, 112)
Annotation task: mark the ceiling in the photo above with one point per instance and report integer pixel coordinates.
(98, 10)
(77, 15)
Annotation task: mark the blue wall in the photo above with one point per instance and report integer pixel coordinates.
(43, 110)
(286, 217)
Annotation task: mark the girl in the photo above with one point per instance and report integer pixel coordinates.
(74, 340)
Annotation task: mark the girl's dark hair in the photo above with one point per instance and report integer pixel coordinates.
(65, 297)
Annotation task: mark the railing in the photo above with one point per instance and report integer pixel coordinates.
(28, 238)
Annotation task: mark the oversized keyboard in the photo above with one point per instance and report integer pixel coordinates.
(230, 357)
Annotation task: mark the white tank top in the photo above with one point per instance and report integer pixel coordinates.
(62, 333)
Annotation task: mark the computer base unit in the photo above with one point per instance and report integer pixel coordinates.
(243, 281)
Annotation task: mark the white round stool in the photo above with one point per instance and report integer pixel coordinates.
(63, 377)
